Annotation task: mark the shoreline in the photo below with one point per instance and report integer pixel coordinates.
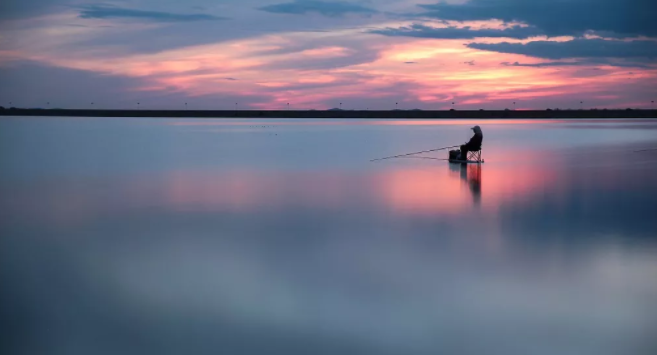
(341, 114)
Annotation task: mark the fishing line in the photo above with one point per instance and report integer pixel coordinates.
(424, 151)
(425, 158)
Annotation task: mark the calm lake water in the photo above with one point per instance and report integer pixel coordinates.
(184, 236)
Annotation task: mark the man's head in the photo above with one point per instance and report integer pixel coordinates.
(476, 129)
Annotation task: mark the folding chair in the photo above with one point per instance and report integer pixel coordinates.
(475, 156)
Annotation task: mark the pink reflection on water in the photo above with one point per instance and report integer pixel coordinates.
(457, 189)
(436, 188)
(245, 191)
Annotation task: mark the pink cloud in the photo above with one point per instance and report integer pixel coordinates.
(319, 70)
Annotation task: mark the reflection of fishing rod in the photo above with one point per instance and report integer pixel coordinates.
(424, 151)
(645, 150)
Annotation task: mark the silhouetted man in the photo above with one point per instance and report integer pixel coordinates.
(473, 145)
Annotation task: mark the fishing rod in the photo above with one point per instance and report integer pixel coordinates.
(424, 151)
(645, 150)
(426, 158)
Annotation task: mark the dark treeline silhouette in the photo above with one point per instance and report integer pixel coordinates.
(556, 113)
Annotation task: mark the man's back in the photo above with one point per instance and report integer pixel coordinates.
(476, 140)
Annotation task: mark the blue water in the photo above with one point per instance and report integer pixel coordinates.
(180, 236)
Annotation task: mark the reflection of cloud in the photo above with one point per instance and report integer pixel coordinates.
(373, 259)
(412, 191)
(309, 262)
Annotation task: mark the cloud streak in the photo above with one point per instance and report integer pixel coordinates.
(326, 8)
(540, 65)
(453, 32)
(577, 48)
(112, 12)
(580, 63)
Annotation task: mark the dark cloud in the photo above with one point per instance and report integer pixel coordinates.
(556, 18)
(30, 84)
(410, 62)
(326, 8)
(587, 62)
(540, 65)
(453, 32)
(470, 62)
(11, 9)
(105, 11)
(155, 39)
(577, 48)
(231, 79)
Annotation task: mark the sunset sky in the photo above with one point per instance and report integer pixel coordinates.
(313, 54)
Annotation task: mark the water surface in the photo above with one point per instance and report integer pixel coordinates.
(219, 236)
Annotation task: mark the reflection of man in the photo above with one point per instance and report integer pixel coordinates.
(473, 178)
(471, 174)
(473, 145)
